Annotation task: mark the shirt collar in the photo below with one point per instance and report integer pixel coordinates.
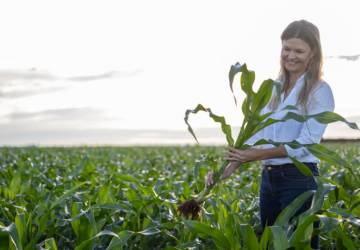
(296, 88)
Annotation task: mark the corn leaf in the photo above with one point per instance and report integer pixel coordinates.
(220, 119)
(86, 244)
(263, 96)
(288, 212)
(301, 167)
(265, 239)
(247, 80)
(217, 235)
(302, 233)
(120, 240)
(66, 195)
(13, 236)
(279, 238)
(236, 68)
(249, 236)
(50, 244)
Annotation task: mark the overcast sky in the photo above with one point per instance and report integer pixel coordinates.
(80, 71)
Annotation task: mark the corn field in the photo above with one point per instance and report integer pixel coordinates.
(127, 198)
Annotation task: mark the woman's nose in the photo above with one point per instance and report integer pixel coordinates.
(291, 55)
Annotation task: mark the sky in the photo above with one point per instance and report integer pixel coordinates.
(124, 72)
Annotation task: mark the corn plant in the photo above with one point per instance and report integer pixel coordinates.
(254, 121)
(126, 198)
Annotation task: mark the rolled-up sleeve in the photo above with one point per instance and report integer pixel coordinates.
(312, 131)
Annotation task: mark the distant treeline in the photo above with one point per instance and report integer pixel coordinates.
(355, 140)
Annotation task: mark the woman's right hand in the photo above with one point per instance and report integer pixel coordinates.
(228, 171)
(209, 179)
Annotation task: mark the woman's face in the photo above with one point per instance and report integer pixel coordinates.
(295, 55)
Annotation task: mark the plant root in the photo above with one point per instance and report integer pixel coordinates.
(190, 208)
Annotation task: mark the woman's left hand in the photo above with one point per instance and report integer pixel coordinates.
(243, 156)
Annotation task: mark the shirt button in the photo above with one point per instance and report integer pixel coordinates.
(269, 168)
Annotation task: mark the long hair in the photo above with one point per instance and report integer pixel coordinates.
(310, 34)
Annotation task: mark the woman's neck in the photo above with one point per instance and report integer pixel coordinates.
(293, 78)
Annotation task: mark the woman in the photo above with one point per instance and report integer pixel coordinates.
(302, 86)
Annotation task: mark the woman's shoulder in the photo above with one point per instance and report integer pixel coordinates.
(322, 86)
(322, 95)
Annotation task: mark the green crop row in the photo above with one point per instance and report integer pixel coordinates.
(127, 198)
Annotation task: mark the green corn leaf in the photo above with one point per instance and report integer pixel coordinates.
(263, 117)
(245, 108)
(326, 154)
(290, 107)
(288, 212)
(279, 238)
(21, 227)
(4, 239)
(249, 237)
(86, 244)
(217, 235)
(262, 125)
(236, 68)
(76, 213)
(330, 117)
(120, 240)
(150, 231)
(319, 196)
(226, 129)
(50, 244)
(329, 223)
(346, 216)
(331, 157)
(326, 117)
(13, 236)
(265, 239)
(263, 96)
(303, 232)
(247, 80)
(67, 194)
(301, 167)
(345, 240)
(126, 178)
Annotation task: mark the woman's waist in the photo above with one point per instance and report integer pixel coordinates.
(290, 167)
(286, 160)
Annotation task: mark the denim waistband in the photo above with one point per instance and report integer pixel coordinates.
(311, 165)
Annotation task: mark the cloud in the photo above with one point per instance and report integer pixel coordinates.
(55, 115)
(30, 74)
(7, 76)
(107, 75)
(28, 92)
(25, 83)
(347, 57)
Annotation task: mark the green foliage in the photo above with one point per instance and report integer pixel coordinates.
(131, 204)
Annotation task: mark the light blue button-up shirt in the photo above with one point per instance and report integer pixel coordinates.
(321, 99)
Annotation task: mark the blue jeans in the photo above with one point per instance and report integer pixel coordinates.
(280, 185)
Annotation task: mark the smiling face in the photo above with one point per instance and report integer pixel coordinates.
(295, 56)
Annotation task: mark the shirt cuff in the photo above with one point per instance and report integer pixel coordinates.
(296, 153)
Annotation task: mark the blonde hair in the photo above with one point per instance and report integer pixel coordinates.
(310, 34)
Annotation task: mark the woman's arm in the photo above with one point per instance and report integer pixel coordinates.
(255, 154)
